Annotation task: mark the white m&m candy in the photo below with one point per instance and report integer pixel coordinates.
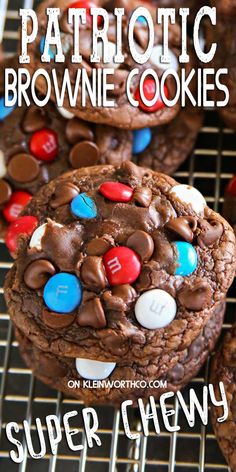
(111, 54)
(155, 59)
(155, 309)
(36, 238)
(65, 113)
(94, 370)
(190, 195)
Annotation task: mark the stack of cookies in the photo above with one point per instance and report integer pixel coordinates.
(121, 273)
(122, 276)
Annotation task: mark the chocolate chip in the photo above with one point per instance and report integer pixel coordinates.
(143, 196)
(196, 296)
(164, 253)
(210, 232)
(98, 247)
(23, 168)
(92, 314)
(57, 320)
(184, 226)
(77, 130)
(119, 298)
(5, 191)
(37, 273)
(142, 243)
(93, 273)
(84, 154)
(63, 194)
(35, 119)
(119, 82)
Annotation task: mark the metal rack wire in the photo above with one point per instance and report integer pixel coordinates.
(23, 397)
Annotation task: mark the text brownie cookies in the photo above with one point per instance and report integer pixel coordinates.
(61, 372)
(223, 369)
(123, 114)
(118, 262)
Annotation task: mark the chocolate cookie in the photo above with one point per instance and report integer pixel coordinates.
(62, 373)
(38, 144)
(123, 114)
(225, 7)
(118, 262)
(172, 143)
(223, 34)
(223, 369)
(229, 208)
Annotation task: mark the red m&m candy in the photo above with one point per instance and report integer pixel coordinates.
(44, 145)
(116, 192)
(23, 225)
(14, 207)
(149, 90)
(87, 5)
(231, 187)
(122, 265)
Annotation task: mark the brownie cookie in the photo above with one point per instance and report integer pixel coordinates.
(223, 34)
(123, 114)
(38, 144)
(118, 261)
(229, 208)
(172, 143)
(60, 372)
(223, 369)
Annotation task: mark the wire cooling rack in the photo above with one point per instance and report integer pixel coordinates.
(23, 397)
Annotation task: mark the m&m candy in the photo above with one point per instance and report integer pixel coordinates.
(87, 5)
(44, 145)
(15, 205)
(63, 293)
(149, 90)
(24, 225)
(122, 265)
(190, 195)
(83, 206)
(231, 187)
(141, 139)
(94, 370)
(42, 45)
(186, 258)
(116, 192)
(155, 309)
(155, 58)
(4, 110)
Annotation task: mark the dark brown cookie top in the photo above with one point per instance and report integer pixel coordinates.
(60, 371)
(144, 258)
(123, 115)
(38, 144)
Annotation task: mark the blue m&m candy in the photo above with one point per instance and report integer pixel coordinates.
(5, 111)
(142, 20)
(141, 139)
(83, 206)
(63, 293)
(186, 258)
(42, 45)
